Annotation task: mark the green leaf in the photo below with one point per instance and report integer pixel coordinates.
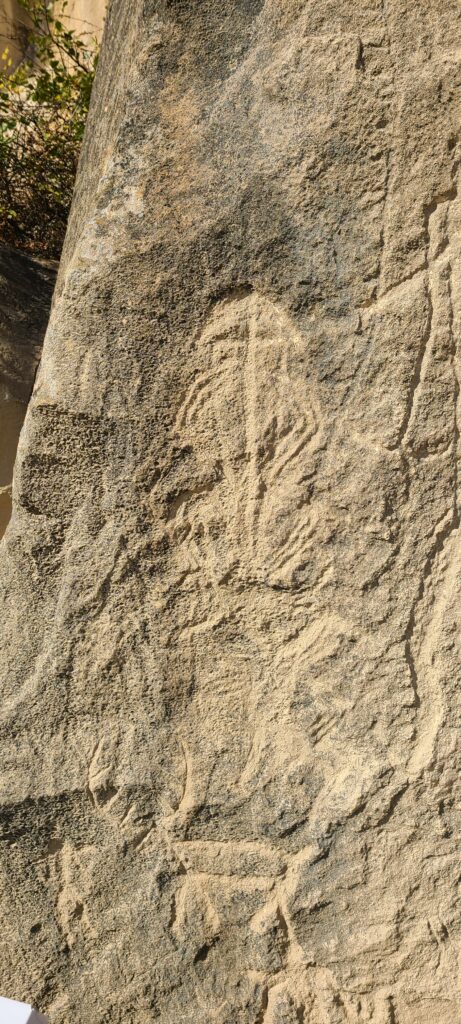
(43, 108)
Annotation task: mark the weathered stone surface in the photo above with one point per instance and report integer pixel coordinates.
(26, 288)
(231, 586)
(87, 14)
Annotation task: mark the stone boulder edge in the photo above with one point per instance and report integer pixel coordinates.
(229, 782)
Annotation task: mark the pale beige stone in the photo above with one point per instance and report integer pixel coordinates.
(84, 16)
(87, 15)
(12, 21)
(229, 786)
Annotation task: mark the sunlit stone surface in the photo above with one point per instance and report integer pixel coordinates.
(230, 591)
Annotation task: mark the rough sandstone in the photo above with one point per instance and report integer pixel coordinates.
(230, 763)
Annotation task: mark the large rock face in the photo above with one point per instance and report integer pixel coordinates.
(230, 766)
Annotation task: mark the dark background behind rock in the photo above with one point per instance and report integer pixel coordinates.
(26, 288)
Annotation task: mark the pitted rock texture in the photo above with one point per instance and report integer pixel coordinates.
(231, 585)
(26, 288)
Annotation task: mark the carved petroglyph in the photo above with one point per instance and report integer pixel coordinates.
(265, 883)
(68, 873)
(247, 520)
(421, 425)
(265, 458)
(229, 725)
(273, 450)
(431, 426)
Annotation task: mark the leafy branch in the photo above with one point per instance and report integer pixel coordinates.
(43, 108)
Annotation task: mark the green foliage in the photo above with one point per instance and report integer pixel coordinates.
(43, 108)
